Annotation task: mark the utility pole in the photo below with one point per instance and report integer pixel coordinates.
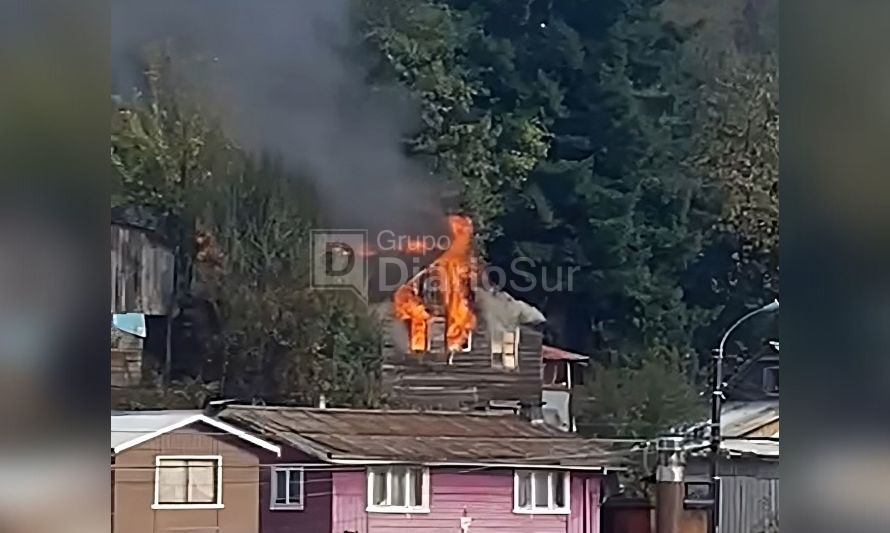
(715, 436)
(669, 493)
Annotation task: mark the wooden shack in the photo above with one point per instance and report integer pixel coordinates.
(143, 266)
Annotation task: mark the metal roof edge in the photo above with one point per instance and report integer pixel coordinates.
(232, 430)
(357, 461)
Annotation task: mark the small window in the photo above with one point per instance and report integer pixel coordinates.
(540, 492)
(505, 349)
(771, 380)
(698, 494)
(436, 335)
(398, 489)
(188, 482)
(287, 487)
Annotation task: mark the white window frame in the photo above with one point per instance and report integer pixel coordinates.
(500, 354)
(429, 336)
(469, 345)
(551, 507)
(218, 504)
(273, 484)
(399, 509)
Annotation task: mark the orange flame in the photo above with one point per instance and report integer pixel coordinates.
(450, 274)
(409, 307)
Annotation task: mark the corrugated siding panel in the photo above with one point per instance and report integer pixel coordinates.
(747, 503)
(487, 498)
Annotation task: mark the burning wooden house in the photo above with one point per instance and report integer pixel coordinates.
(451, 342)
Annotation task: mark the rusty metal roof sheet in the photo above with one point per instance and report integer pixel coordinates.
(439, 437)
(552, 353)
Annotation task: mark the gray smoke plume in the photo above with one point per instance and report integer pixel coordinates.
(501, 312)
(278, 75)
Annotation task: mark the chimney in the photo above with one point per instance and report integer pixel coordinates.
(669, 484)
(322, 401)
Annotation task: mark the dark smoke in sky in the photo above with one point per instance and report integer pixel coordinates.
(276, 74)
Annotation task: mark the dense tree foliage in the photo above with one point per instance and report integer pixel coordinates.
(635, 140)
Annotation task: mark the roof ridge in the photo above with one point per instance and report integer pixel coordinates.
(381, 411)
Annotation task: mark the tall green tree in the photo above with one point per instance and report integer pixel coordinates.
(612, 197)
(422, 45)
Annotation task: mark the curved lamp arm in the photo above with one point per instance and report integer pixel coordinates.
(772, 306)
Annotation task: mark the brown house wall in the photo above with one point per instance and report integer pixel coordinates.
(134, 478)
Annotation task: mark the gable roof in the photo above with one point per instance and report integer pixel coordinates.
(436, 438)
(130, 428)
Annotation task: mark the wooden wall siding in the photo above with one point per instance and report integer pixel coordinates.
(485, 497)
(133, 493)
(142, 272)
(126, 359)
(428, 380)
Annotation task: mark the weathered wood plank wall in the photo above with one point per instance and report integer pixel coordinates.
(142, 272)
(429, 380)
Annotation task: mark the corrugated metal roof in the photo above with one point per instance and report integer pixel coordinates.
(747, 428)
(418, 436)
(130, 425)
(129, 429)
(759, 447)
(739, 419)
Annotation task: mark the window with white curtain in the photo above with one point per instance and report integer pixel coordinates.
(396, 489)
(188, 481)
(541, 492)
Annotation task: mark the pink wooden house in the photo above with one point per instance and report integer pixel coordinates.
(363, 471)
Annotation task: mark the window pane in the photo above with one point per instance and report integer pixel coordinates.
(509, 361)
(398, 489)
(295, 478)
(510, 343)
(524, 486)
(559, 495)
(202, 482)
(415, 494)
(378, 480)
(281, 486)
(541, 494)
(172, 481)
(496, 346)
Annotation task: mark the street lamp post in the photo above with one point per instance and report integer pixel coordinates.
(716, 405)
